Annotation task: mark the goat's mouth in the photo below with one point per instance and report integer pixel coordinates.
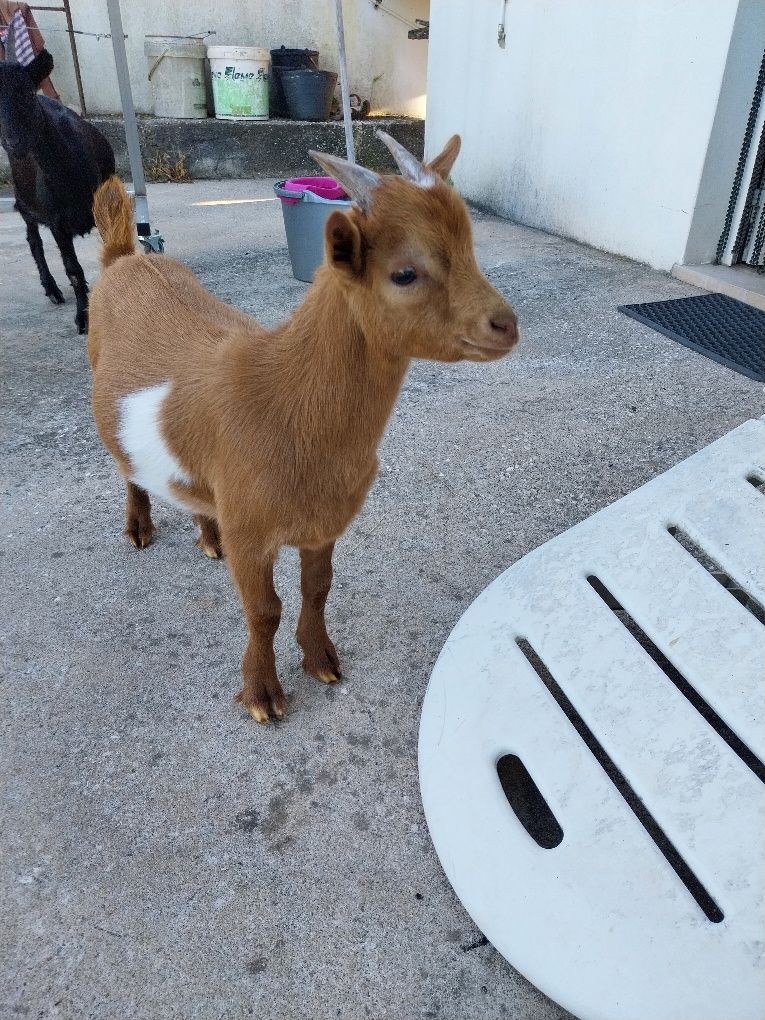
(488, 350)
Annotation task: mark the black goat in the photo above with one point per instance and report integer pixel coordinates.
(57, 162)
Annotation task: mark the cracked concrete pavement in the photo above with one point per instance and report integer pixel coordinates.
(162, 855)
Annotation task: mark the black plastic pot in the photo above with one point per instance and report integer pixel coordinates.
(281, 58)
(309, 92)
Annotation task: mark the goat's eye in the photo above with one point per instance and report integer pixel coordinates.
(403, 277)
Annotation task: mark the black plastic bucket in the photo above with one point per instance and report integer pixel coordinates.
(309, 92)
(281, 58)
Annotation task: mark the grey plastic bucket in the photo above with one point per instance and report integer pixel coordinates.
(304, 222)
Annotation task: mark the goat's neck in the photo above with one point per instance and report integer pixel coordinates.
(45, 147)
(53, 156)
(345, 379)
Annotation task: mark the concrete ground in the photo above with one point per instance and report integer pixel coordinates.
(164, 856)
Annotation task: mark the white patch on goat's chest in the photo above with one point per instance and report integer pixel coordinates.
(154, 467)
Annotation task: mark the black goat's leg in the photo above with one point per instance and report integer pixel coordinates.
(76, 277)
(38, 254)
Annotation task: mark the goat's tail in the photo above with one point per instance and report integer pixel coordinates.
(113, 213)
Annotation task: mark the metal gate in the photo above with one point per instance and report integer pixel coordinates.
(753, 226)
(743, 236)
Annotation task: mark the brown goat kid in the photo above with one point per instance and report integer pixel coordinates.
(270, 436)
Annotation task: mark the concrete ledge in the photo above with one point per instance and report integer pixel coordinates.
(226, 149)
(740, 282)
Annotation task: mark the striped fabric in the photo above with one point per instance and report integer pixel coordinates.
(22, 43)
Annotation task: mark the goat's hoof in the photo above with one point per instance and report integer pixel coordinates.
(263, 706)
(140, 533)
(212, 550)
(323, 663)
(81, 321)
(209, 537)
(55, 296)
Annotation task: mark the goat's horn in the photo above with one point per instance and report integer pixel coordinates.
(357, 180)
(411, 168)
(10, 45)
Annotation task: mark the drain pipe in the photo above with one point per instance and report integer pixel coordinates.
(344, 87)
(501, 31)
(151, 240)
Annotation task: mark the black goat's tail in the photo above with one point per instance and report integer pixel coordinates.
(113, 213)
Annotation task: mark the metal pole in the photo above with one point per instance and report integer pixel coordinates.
(344, 87)
(131, 125)
(75, 58)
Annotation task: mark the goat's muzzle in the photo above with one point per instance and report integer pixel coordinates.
(497, 334)
(503, 329)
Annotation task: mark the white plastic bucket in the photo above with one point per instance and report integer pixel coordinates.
(239, 81)
(177, 75)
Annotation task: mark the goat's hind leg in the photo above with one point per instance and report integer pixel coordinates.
(209, 536)
(76, 277)
(49, 285)
(319, 654)
(139, 528)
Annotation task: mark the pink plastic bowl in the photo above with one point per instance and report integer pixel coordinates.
(324, 187)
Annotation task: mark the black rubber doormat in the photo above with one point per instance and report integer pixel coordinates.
(715, 325)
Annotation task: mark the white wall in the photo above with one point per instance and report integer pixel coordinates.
(376, 43)
(594, 120)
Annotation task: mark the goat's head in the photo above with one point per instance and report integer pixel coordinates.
(18, 106)
(404, 256)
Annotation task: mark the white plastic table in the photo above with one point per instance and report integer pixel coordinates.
(616, 916)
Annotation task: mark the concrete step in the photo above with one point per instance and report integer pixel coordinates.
(741, 282)
(219, 149)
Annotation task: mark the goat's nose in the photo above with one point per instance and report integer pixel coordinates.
(504, 326)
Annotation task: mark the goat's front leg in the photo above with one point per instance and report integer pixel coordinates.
(319, 654)
(76, 277)
(49, 285)
(253, 571)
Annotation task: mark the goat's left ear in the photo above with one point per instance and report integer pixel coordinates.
(39, 69)
(445, 160)
(343, 245)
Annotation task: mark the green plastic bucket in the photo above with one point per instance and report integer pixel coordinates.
(239, 81)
